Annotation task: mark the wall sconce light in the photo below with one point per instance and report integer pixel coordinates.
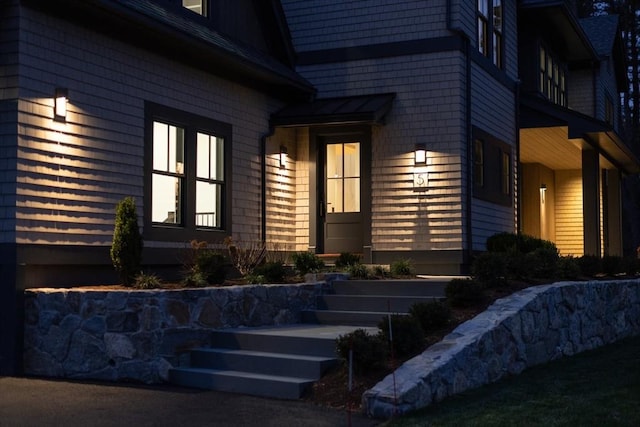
(283, 157)
(543, 193)
(421, 154)
(60, 104)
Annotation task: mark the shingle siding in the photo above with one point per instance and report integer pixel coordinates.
(71, 177)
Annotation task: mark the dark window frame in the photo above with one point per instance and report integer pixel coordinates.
(609, 110)
(496, 185)
(192, 124)
(552, 85)
(490, 30)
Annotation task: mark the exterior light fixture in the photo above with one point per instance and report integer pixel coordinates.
(543, 193)
(283, 157)
(421, 154)
(60, 104)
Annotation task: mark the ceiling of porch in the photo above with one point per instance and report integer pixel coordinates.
(551, 147)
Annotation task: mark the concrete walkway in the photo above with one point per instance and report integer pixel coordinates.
(26, 402)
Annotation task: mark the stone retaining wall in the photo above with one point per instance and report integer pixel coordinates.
(531, 327)
(139, 334)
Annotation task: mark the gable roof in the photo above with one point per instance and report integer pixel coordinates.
(603, 31)
(558, 22)
(157, 27)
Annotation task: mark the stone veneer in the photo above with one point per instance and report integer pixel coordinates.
(139, 334)
(533, 326)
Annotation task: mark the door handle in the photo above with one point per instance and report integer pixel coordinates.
(321, 211)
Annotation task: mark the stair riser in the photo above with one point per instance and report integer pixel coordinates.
(370, 303)
(275, 344)
(343, 317)
(239, 384)
(260, 364)
(390, 287)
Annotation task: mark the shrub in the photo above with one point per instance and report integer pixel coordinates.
(464, 292)
(432, 315)
(502, 242)
(630, 265)
(590, 265)
(347, 259)
(543, 262)
(612, 265)
(370, 352)
(204, 266)
(380, 271)
(401, 267)
(490, 268)
(358, 271)
(568, 268)
(271, 271)
(407, 334)
(245, 256)
(126, 249)
(307, 262)
(146, 281)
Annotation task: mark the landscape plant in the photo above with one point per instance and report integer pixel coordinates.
(401, 267)
(146, 281)
(203, 266)
(126, 248)
(306, 262)
(347, 259)
(245, 256)
(406, 335)
(370, 352)
(431, 315)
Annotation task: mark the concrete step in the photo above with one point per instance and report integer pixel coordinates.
(270, 341)
(393, 304)
(279, 387)
(259, 362)
(409, 287)
(344, 317)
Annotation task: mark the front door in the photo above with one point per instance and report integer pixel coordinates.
(341, 196)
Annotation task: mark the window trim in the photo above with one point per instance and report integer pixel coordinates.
(554, 87)
(485, 25)
(494, 187)
(192, 124)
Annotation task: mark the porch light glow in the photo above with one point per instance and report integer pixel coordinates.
(283, 157)
(60, 104)
(421, 154)
(543, 193)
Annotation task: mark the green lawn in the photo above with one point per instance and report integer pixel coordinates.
(595, 388)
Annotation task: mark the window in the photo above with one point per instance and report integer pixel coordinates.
(343, 177)
(490, 30)
(552, 82)
(492, 169)
(188, 179)
(608, 110)
(505, 179)
(197, 6)
(478, 163)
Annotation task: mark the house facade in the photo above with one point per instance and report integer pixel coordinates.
(395, 130)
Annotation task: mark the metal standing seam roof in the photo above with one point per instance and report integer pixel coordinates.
(364, 109)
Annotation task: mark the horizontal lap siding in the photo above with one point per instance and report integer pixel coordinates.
(71, 175)
(492, 110)
(569, 220)
(428, 108)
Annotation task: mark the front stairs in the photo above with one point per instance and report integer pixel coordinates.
(283, 361)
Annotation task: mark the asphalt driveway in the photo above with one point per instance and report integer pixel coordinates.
(42, 402)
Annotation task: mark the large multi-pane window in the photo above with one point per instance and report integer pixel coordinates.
(553, 80)
(188, 178)
(490, 30)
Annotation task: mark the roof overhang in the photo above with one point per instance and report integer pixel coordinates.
(149, 26)
(364, 109)
(537, 113)
(553, 18)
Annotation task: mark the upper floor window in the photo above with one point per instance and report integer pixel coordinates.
(187, 186)
(553, 81)
(490, 30)
(197, 6)
(608, 110)
(478, 163)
